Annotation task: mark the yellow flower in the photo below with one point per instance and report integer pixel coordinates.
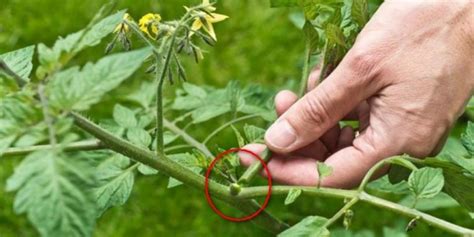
(123, 26)
(205, 20)
(149, 24)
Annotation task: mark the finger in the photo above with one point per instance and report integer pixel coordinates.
(320, 109)
(346, 137)
(284, 100)
(295, 171)
(329, 139)
(350, 164)
(313, 79)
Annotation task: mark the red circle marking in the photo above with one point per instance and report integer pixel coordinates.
(208, 196)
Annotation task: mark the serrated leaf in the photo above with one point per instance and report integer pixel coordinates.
(76, 42)
(360, 12)
(253, 133)
(139, 136)
(74, 90)
(458, 181)
(292, 196)
(426, 182)
(311, 226)
(54, 190)
(124, 117)
(467, 138)
(334, 35)
(20, 61)
(115, 183)
(147, 170)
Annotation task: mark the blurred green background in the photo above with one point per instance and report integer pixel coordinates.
(256, 45)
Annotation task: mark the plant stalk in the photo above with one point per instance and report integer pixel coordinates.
(76, 146)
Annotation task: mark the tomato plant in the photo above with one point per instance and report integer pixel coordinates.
(75, 168)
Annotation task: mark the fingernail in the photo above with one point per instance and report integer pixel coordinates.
(281, 134)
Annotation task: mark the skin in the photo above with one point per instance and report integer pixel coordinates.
(407, 79)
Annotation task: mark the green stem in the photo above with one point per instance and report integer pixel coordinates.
(413, 213)
(188, 139)
(175, 170)
(76, 146)
(255, 168)
(305, 71)
(341, 212)
(261, 191)
(218, 130)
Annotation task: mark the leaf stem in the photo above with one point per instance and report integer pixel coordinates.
(46, 115)
(224, 126)
(255, 168)
(76, 146)
(341, 212)
(305, 70)
(188, 139)
(175, 170)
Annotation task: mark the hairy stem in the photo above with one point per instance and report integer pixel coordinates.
(224, 126)
(305, 70)
(175, 170)
(341, 212)
(255, 168)
(47, 116)
(188, 139)
(76, 146)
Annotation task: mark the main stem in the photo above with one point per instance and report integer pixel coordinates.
(175, 170)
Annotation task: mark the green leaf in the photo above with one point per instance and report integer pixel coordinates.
(360, 12)
(254, 134)
(73, 43)
(467, 138)
(124, 116)
(334, 35)
(20, 61)
(74, 90)
(143, 96)
(323, 170)
(426, 182)
(6, 142)
(194, 90)
(147, 170)
(55, 192)
(240, 139)
(292, 196)
(458, 181)
(206, 113)
(283, 3)
(139, 136)
(312, 37)
(311, 226)
(116, 181)
(442, 200)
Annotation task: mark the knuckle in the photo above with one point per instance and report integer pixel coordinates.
(314, 111)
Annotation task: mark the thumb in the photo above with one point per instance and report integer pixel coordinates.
(320, 109)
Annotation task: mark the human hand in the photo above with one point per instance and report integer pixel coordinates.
(406, 79)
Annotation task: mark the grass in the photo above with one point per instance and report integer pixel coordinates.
(256, 45)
